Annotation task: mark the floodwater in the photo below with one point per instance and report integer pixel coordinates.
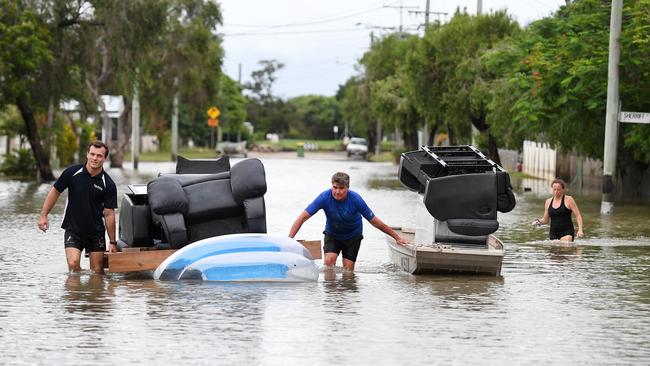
(585, 305)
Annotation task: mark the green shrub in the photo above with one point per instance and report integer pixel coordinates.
(66, 145)
(19, 163)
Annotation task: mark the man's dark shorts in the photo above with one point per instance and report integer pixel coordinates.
(349, 248)
(96, 244)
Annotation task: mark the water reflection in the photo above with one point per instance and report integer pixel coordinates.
(465, 287)
(87, 293)
(568, 251)
(338, 279)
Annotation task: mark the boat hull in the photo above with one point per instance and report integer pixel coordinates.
(447, 257)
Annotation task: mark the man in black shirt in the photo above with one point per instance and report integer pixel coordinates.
(91, 204)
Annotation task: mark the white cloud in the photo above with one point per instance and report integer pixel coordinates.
(319, 41)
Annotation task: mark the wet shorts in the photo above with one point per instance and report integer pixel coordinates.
(557, 235)
(350, 248)
(96, 244)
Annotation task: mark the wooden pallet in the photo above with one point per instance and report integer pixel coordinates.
(148, 259)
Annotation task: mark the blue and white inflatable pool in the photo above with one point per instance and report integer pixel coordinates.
(240, 257)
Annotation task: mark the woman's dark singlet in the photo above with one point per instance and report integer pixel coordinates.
(561, 223)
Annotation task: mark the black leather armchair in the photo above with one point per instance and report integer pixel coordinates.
(190, 207)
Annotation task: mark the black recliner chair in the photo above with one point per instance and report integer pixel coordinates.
(190, 207)
(466, 205)
(204, 198)
(462, 189)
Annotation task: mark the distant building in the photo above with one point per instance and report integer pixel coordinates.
(114, 107)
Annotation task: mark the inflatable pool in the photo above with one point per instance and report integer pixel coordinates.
(240, 257)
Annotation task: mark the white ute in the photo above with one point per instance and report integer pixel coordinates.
(357, 146)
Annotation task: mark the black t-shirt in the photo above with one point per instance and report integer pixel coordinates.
(87, 198)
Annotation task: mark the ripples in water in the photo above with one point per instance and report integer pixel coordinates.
(588, 303)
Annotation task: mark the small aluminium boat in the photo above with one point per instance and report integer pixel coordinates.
(462, 191)
(446, 257)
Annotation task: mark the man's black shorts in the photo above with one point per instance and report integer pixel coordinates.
(350, 248)
(96, 244)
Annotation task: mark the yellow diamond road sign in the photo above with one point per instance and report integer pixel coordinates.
(214, 112)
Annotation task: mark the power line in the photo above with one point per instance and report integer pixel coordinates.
(311, 22)
(401, 8)
(292, 32)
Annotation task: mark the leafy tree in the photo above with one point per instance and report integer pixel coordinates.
(11, 124)
(466, 89)
(233, 107)
(24, 50)
(354, 101)
(392, 104)
(263, 79)
(317, 115)
(267, 112)
(383, 62)
(230, 101)
(423, 80)
(555, 88)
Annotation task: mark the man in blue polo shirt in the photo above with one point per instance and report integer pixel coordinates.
(343, 228)
(89, 211)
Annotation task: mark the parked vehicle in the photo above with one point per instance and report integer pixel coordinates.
(357, 146)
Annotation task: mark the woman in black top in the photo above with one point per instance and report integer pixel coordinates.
(558, 211)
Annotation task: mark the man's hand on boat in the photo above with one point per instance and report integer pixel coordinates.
(401, 241)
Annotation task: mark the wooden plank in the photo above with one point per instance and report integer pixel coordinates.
(148, 259)
(314, 247)
(138, 260)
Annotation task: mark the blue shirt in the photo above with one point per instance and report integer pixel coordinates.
(343, 217)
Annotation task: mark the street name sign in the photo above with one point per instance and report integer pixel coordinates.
(634, 117)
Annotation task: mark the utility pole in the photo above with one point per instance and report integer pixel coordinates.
(401, 8)
(426, 14)
(475, 132)
(135, 126)
(175, 122)
(611, 114)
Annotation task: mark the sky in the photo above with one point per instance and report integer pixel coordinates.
(320, 41)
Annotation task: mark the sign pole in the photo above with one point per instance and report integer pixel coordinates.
(611, 119)
(213, 122)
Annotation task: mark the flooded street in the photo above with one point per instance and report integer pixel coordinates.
(588, 304)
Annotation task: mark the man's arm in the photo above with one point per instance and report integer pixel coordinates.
(50, 200)
(376, 222)
(109, 220)
(304, 216)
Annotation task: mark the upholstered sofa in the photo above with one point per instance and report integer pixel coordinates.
(178, 209)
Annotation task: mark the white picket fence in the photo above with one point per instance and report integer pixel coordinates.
(14, 143)
(539, 160)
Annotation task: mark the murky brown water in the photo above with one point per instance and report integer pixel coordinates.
(590, 304)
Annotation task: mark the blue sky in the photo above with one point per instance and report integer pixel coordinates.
(319, 41)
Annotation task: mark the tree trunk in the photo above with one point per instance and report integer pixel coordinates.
(433, 130)
(411, 140)
(483, 127)
(372, 138)
(42, 162)
(493, 149)
(123, 140)
(452, 135)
